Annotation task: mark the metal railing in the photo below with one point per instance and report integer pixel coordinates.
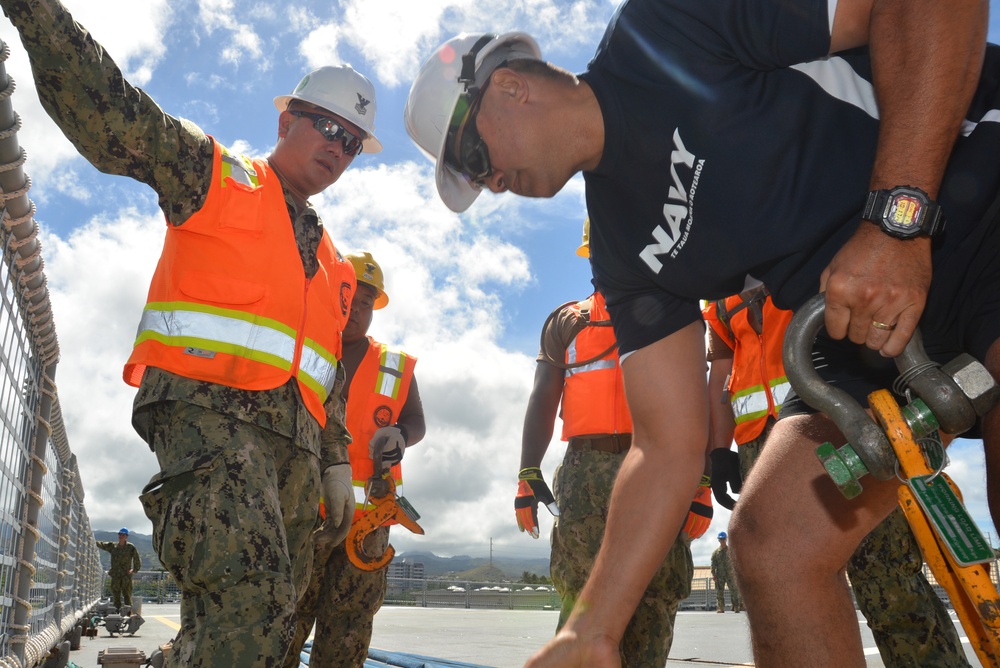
(50, 573)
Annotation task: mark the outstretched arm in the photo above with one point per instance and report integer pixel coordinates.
(118, 128)
(926, 61)
(665, 386)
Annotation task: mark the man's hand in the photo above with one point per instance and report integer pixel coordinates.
(725, 470)
(531, 489)
(876, 288)
(392, 444)
(338, 498)
(700, 516)
(569, 649)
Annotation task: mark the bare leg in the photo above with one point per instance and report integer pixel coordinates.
(791, 536)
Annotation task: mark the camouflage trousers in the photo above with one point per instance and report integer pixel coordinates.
(911, 626)
(342, 600)
(734, 595)
(232, 510)
(582, 488)
(121, 589)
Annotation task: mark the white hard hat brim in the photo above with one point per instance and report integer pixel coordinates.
(368, 145)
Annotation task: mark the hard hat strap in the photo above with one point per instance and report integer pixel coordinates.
(468, 74)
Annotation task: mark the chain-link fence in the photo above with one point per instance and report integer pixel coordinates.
(50, 573)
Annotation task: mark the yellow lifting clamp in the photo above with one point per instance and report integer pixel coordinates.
(955, 552)
(904, 443)
(380, 491)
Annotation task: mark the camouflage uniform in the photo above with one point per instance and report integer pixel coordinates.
(910, 624)
(238, 489)
(722, 573)
(582, 489)
(342, 599)
(123, 558)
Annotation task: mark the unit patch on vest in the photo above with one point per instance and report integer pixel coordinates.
(383, 416)
(345, 297)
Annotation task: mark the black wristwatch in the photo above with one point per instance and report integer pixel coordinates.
(904, 212)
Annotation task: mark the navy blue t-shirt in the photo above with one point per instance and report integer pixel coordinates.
(735, 149)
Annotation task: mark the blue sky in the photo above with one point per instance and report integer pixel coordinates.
(468, 293)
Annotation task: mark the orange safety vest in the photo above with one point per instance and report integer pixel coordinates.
(377, 395)
(757, 385)
(593, 400)
(229, 302)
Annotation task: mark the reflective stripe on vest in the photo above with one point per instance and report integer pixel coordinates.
(239, 168)
(206, 330)
(752, 403)
(599, 365)
(390, 373)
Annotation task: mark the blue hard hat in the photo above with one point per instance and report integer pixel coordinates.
(722, 535)
(123, 530)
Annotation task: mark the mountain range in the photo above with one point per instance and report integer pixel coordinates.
(461, 567)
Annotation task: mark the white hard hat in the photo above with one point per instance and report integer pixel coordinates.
(344, 91)
(459, 65)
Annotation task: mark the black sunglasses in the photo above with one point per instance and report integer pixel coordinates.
(332, 130)
(470, 156)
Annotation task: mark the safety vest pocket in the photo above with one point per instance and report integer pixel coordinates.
(206, 287)
(242, 208)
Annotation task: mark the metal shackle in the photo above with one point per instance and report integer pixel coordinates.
(868, 440)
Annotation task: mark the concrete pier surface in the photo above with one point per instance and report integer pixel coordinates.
(493, 638)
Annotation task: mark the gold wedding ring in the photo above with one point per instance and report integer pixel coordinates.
(883, 326)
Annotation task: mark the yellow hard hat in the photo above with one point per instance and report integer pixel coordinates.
(369, 273)
(584, 249)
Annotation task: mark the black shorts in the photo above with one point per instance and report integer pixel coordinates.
(962, 316)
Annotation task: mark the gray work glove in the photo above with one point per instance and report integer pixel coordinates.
(391, 443)
(338, 498)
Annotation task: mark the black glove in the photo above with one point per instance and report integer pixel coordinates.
(725, 470)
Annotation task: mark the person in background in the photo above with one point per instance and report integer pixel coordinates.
(125, 562)
(722, 573)
(384, 414)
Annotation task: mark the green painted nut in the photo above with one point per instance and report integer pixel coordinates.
(844, 467)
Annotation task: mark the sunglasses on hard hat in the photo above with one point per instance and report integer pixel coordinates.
(469, 155)
(332, 130)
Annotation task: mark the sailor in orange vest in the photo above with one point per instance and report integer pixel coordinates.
(236, 354)
(578, 365)
(383, 411)
(747, 387)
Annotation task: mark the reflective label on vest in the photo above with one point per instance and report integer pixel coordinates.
(390, 373)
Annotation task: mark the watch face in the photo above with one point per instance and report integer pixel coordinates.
(904, 211)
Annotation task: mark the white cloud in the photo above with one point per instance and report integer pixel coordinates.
(321, 46)
(131, 32)
(97, 280)
(394, 37)
(243, 42)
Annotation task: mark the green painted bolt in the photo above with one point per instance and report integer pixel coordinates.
(844, 467)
